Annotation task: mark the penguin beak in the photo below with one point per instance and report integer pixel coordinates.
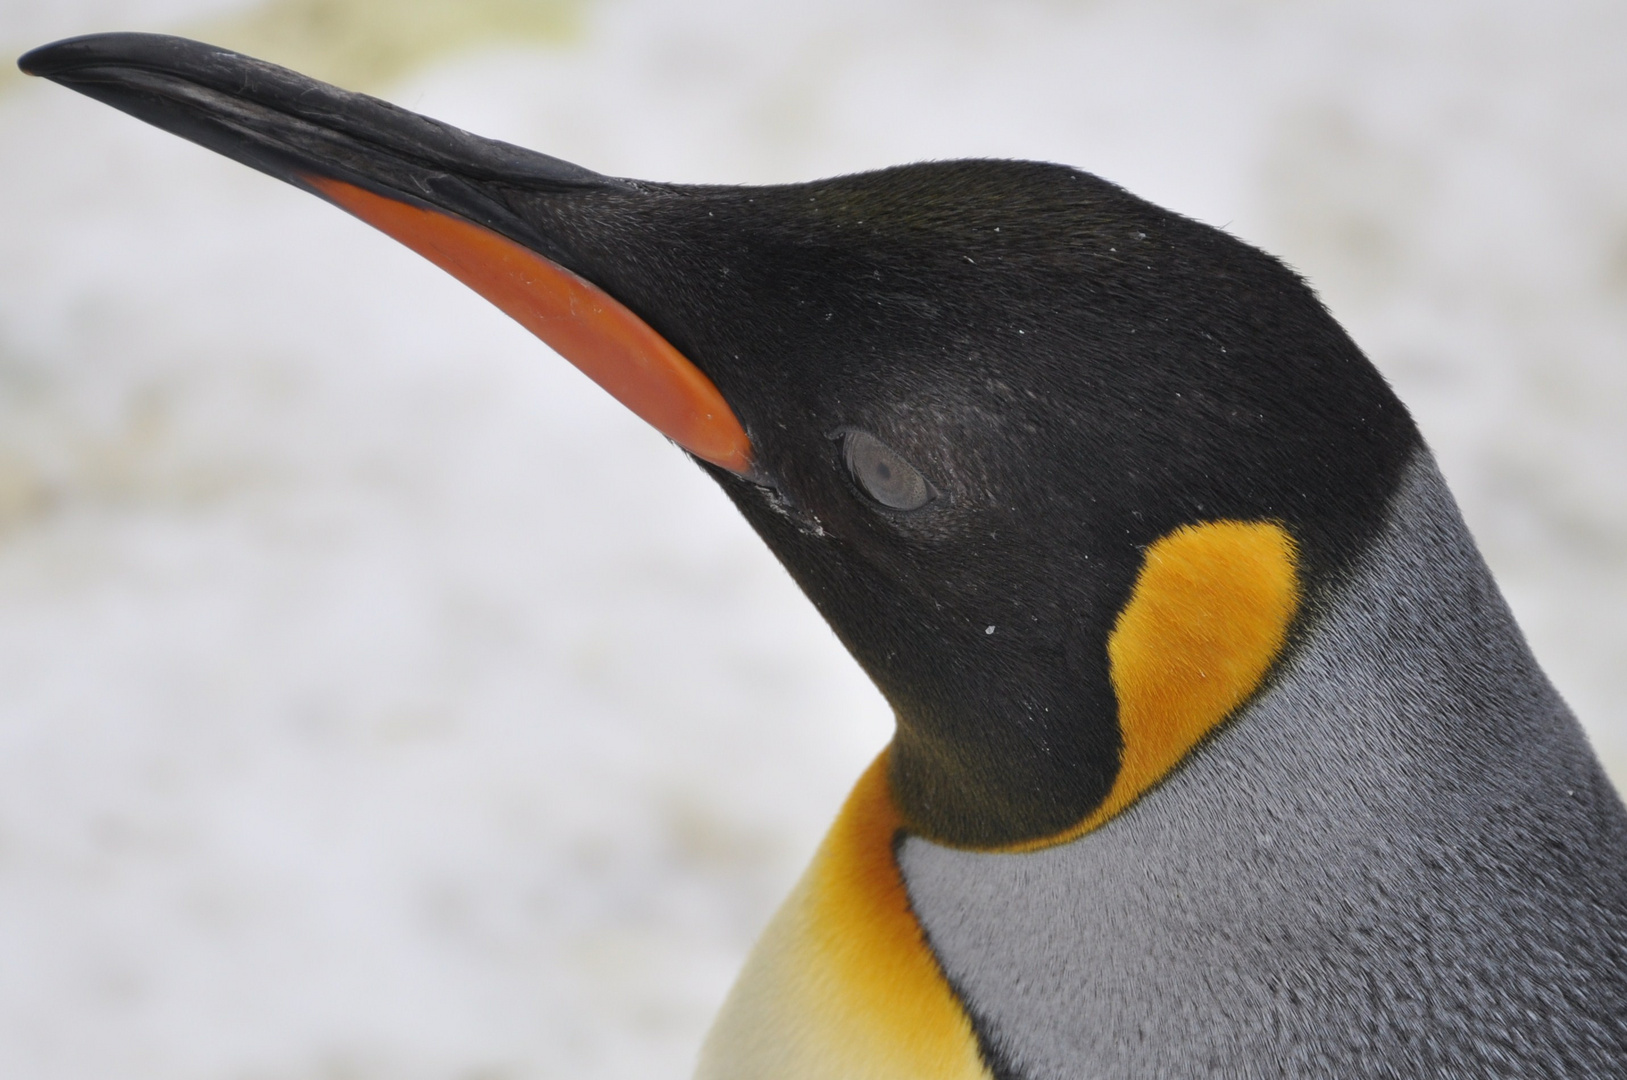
(433, 187)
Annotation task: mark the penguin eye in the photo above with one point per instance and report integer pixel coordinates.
(883, 473)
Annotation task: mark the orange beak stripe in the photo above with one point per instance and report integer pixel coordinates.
(583, 323)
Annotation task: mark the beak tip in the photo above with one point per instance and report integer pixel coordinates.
(59, 59)
(36, 61)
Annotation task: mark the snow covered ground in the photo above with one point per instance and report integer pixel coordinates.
(378, 700)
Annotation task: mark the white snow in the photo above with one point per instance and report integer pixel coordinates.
(378, 699)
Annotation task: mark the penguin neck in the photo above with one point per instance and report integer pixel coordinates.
(1407, 767)
(1410, 674)
(1412, 706)
(1447, 684)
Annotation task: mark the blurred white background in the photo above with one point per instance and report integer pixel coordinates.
(378, 700)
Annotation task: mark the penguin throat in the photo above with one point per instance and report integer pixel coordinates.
(843, 982)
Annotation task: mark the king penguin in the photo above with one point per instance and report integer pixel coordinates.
(1218, 753)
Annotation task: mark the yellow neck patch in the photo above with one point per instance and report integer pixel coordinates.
(842, 984)
(1209, 613)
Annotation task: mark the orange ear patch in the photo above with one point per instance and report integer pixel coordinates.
(1209, 613)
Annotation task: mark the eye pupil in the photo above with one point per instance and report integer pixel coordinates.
(884, 475)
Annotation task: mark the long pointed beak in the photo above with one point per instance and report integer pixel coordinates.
(433, 187)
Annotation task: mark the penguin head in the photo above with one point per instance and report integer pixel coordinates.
(974, 399)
